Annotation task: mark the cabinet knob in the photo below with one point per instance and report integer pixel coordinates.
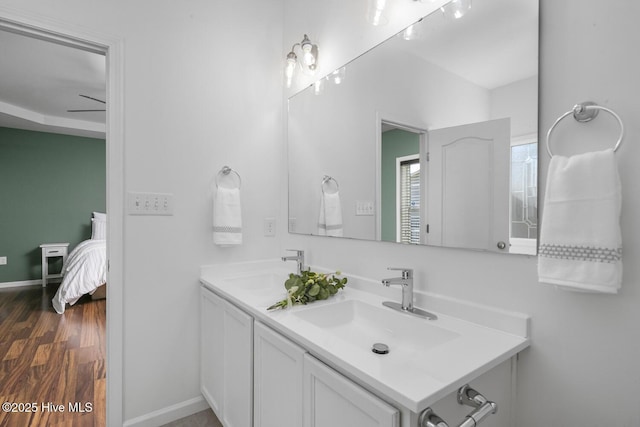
(501, 245)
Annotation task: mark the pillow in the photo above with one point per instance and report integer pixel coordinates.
(98, 229)
(99, 216)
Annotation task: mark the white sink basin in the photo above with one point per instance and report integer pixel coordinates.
(261, 288)
(362, 324)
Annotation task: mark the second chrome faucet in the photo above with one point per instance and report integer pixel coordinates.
(406, 282)
(298, 258)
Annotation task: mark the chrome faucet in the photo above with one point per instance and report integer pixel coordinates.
(406, 282)
(298, 258)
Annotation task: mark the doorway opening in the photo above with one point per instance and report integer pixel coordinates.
(29, 27)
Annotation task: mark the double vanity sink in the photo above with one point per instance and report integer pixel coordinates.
(408, 361)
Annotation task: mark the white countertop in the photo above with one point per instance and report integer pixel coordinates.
(414, 377)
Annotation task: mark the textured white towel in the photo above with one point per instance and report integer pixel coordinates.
(227, 217)
(580, 238)
(330, 221)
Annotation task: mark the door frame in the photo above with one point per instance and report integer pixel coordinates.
(33, 25)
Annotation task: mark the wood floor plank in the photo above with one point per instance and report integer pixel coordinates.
(16, 349)
(52, 359)
(42, 355)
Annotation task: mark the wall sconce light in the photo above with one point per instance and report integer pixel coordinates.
(309, 62)
(456, 9)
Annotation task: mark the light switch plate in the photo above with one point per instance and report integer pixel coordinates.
(364, 208)
(149, 203)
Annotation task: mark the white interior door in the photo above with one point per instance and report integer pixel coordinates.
(468, 181)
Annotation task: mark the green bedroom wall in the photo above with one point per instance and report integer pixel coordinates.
(49, 185)
(395, 143)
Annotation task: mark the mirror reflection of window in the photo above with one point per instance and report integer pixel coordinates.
(409, 201)
(524, 196)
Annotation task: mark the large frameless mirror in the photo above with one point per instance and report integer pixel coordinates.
(429, 138)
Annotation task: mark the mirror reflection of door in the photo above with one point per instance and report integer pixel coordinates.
(468, 186)
(401, 189)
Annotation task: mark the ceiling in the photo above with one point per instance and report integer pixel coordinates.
(41, 80)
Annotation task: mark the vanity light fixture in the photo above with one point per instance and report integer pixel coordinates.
(309, 62)
(456, 9)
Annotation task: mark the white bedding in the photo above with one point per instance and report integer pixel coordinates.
(83, 271)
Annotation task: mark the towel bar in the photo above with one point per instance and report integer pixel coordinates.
(466, 396)
(585, 112)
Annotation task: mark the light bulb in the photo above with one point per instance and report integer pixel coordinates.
(290, 67)
(318, 87)
(338, 75)
(308, 58)
(409, 32)
(375, 12)
(456, 9)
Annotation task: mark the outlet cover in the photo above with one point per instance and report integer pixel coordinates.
(3, 260)
(269, 227)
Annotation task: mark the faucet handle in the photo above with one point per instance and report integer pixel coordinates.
(297, 251)
(407, 273)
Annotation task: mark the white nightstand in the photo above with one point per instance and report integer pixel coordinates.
(50, 250)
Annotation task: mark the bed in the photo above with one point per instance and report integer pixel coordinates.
(85, 269)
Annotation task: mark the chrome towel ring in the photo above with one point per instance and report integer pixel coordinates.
(326, 180)
(226, 171)
(583, 113)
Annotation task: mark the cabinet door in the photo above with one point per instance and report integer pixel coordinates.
(331, 400)
(277, 384)
(226, 360)
(211, 356)
(238, 364)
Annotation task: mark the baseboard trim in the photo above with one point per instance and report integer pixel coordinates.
(20, 284)
(168, 414)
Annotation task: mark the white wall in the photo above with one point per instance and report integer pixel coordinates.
(507, 101)
(202, 89)
(581, 369)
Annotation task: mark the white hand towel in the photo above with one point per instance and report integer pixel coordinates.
(580, 239)
(330, 221)
(227, 217)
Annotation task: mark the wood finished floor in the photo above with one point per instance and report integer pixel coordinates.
(47, 357)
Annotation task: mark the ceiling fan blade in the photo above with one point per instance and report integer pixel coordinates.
(82, 111)
(92, 98)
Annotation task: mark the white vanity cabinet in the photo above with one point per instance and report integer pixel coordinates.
(277, 379)
(226, 358)
(331, 400)
(296, 368)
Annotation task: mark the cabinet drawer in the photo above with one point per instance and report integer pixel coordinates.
(55, 251)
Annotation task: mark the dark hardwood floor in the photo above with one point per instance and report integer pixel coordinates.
(51, 362)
